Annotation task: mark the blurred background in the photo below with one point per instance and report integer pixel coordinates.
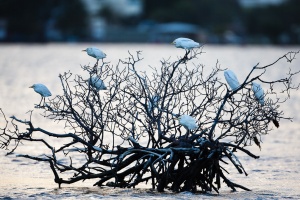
(151, 21)
(40, 39)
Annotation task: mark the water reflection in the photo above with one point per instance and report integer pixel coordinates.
(274, 175)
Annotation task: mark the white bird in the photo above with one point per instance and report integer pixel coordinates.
(188, 122)
(258, 93)
(95, 52)
(231, 79)
(97, 83)
(185, 43)
(42, 90)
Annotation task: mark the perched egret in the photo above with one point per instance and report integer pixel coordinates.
(97, 83)
(42, 90)
(231, 79)
(188, 122)
(95, 52)
(258, 93)
(155, 100)
(185, 43)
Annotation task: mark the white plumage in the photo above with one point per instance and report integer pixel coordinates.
(258, 93)
(95, 52)
(188, 122)
(97, 83)
(185, 43)
(42, 90)
(231, 79)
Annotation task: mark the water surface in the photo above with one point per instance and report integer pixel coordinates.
(274, 176)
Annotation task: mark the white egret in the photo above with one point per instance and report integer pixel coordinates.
(231, 79)
(185, 43)
(42, 90)
(258, 93)
(95, 52)
(188, 122)
(97, 83)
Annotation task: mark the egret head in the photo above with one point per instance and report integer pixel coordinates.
(176, 116)
(33, 86)
(176, 41)
(87, 49)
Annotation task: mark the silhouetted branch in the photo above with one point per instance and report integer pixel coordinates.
(128, 132)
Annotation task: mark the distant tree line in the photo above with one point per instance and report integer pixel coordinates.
(30, 20)
(26, 21)
(271, 21)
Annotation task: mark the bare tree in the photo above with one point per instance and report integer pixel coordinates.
(127, 133)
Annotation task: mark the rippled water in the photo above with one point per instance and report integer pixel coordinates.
(274, 176)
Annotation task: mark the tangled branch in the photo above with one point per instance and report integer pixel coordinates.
(125, 132)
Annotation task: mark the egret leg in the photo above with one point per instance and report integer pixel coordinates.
(187, 134)
(44, 101)
(186, 55)
(101, 70)
(95, 66)
(41, 101)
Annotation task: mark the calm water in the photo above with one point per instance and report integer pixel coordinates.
(274, 176)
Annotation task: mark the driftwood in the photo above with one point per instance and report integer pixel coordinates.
(128, 134)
